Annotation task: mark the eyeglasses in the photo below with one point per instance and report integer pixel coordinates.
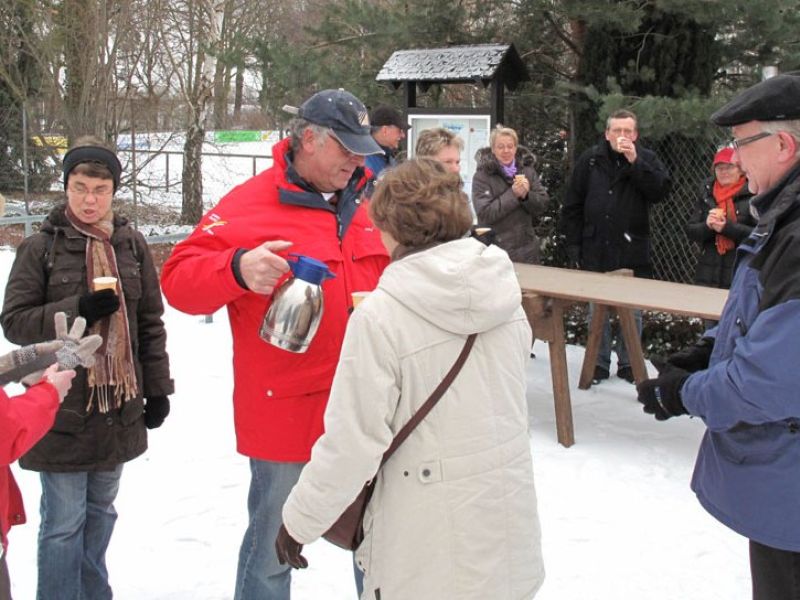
(737, 144)
(100, 193)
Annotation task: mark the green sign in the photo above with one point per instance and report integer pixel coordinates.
(223, 137)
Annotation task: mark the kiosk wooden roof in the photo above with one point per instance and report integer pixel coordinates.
(497, 66)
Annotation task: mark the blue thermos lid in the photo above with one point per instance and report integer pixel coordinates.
(310, 269)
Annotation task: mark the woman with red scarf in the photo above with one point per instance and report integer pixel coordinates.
(721, 221)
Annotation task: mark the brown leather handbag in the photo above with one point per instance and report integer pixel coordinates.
(348, 532)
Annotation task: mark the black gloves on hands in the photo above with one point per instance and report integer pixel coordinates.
(96, 305)
(485, 235)
(695, 357)
(661, 396)
(156, 410)
(288, 550)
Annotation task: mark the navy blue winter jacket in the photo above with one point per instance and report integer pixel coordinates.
(748, 469)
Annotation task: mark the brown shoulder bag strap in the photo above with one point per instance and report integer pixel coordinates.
(432, 399)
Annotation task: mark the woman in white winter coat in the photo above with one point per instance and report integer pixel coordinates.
(453, 515)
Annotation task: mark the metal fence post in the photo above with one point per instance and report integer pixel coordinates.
(25, 160)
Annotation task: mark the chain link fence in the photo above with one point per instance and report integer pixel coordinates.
(689, 163)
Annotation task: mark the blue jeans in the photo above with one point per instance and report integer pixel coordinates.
(259, 576)
(5, 582)
(78, 517)
(604, 354)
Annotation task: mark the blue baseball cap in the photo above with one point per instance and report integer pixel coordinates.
(344, 114)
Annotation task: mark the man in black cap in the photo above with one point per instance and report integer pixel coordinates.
(743, 377)
(308, 203)
(388, 129)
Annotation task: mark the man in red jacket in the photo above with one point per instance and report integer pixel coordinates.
(312, 201)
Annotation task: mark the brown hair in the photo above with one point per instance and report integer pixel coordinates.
(431, 141)
(622, 114)
(419, 203)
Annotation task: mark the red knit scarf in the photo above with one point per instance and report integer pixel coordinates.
(723, 195)
(112, 379)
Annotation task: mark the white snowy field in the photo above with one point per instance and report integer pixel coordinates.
(619, 520)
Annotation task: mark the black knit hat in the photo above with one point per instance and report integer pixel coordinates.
(98, 154)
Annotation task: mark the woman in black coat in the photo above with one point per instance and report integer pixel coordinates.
(721, 220)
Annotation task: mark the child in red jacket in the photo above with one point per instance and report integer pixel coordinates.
(24, 419)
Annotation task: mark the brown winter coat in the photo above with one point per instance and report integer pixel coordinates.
(48, 276)
(497, 207)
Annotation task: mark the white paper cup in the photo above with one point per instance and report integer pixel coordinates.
(358, 297)
(105, 283)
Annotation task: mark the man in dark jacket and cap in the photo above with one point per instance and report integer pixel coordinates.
(388, 128)
(742, 378)
(606, 216)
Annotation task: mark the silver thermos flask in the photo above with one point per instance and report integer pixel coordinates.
(294, 315)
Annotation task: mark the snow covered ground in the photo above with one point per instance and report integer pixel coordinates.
(619, 520)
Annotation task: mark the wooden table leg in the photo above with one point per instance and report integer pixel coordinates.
(592, 346)
(546, 317)
(558, 372)
(633, 343)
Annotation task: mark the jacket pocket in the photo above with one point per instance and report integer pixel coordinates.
(131, 411)
(64, 283)
(635, 250)
(71, 417)
(131, 283)
(755, 444)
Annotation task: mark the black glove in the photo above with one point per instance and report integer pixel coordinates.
(288, 550)
(156, 410)
(695, 357)
(574, 257)
(485, 235)
(96, 305)
(662, 396)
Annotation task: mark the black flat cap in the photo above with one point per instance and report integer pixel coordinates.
(775, 99)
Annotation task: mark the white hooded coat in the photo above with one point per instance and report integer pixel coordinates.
(454, 511)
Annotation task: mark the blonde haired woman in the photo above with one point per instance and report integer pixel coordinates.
(454, 513)
(507, 194)
(440, 144)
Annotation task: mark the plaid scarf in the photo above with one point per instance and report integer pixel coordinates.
(112, 379)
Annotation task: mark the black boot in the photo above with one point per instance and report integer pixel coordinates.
(600, 373)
